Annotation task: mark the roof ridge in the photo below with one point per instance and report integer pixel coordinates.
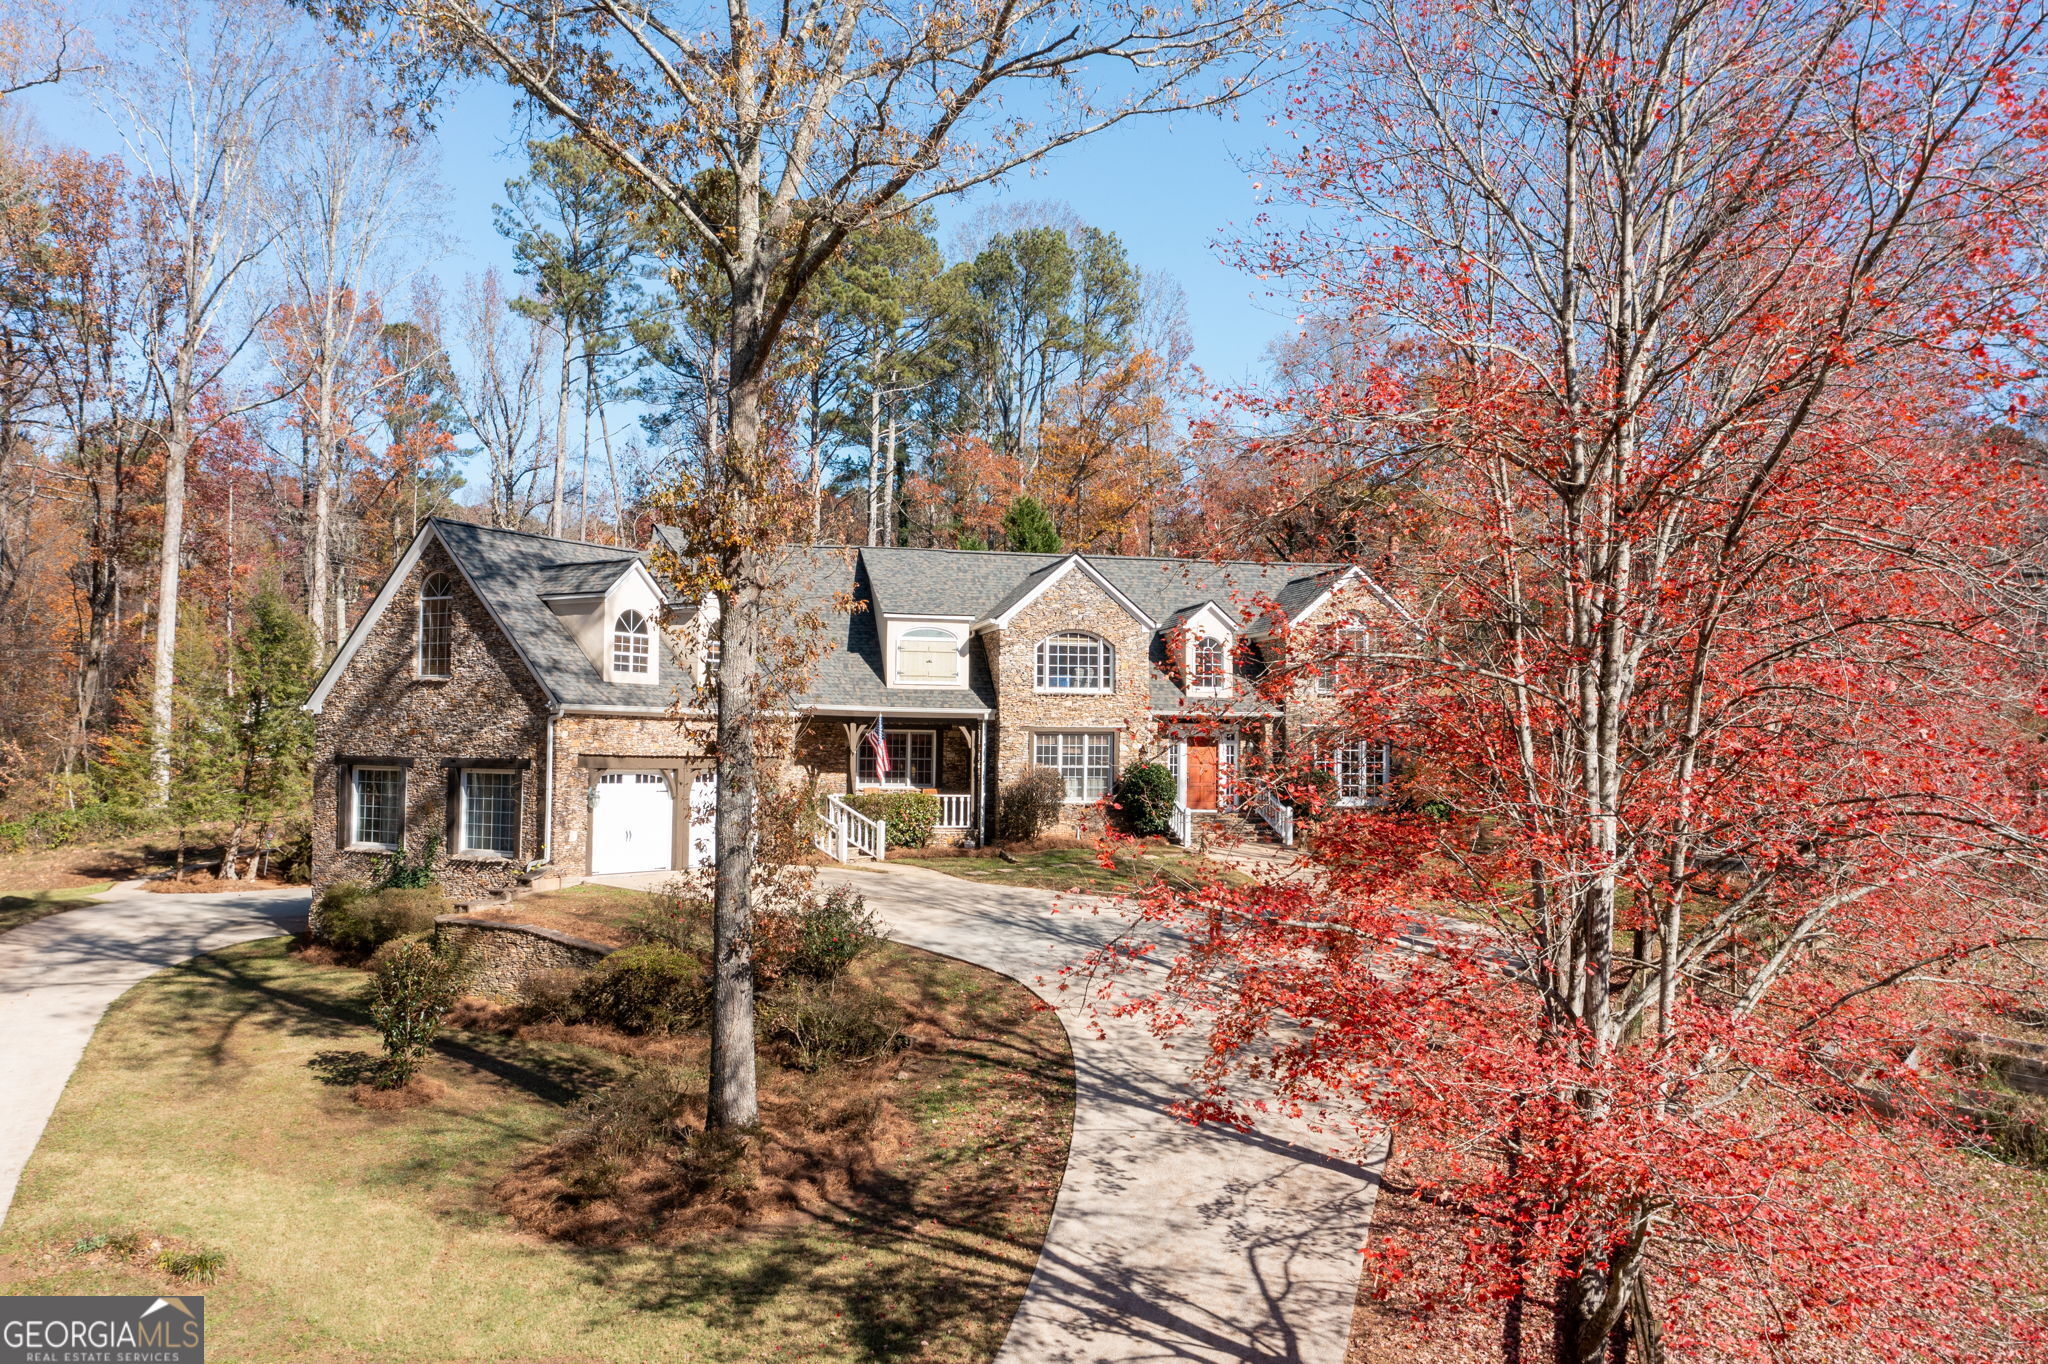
(538, 535)
(1325, 565)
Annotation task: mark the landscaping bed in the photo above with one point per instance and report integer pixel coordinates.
(552, 1197)
(1072, 867)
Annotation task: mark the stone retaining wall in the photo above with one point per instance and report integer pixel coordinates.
(501, 956)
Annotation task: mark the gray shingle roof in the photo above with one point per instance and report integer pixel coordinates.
(513, 570)
(510, 570)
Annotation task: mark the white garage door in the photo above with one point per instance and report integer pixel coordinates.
(632, 823)
(703, 817)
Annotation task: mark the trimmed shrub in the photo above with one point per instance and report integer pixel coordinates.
(551, 996)
(411, 986)
(1145, 794)
(818, 1023)
(833, 930)
(648, 988)
(909, 815)
(1031, 804)
(355, 918)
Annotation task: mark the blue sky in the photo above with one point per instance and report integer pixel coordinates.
(1172, 189)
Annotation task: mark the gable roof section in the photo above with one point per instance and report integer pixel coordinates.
(1038, 583)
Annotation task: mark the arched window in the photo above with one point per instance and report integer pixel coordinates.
(631, 652)
(926, 655)
(436, 626)
(1211, 670)
(1075, 662)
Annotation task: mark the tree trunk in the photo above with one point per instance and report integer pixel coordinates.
(561, 437)
(178, 449)
(319, 535)
(874, 466)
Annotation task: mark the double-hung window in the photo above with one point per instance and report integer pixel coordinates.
(913, 759)
(376, 806)
(488, 820)
(1084, 759)
(1363, 768)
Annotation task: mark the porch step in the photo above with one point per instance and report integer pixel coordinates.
(1228, 826)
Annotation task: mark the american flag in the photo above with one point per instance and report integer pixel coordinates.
(879, 741)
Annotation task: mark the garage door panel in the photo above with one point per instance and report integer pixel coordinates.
(632, 823)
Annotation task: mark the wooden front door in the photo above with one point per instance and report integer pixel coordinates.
(1202, 769)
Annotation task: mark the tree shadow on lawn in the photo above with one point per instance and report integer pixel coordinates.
(208, 1001)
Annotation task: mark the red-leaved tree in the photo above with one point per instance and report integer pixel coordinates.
(1717, 703)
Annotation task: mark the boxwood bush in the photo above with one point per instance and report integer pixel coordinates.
(355, 918)
(910, 815)
(1145, 795)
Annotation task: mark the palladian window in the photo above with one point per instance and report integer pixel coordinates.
(1075, 662)
(926, 655)
(632, 651)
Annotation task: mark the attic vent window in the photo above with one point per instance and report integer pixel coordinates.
(632, 654)
(437, 626)
(928, 656)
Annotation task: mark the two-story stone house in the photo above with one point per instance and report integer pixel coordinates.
(538, 706)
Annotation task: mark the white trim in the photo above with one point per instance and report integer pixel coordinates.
(1067, 566)
(902, 712)
(354, 643)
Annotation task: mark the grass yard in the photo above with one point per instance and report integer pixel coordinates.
(26, 908)
(1074, 870)
(359, 1235)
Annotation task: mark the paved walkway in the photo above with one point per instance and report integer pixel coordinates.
(1168, 1242)
(59, 974)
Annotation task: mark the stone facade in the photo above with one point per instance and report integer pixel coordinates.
(583, 743)
(497, 958)
(1075, 603)
(381, 712)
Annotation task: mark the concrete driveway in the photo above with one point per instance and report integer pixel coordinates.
(1168, 1242)
(59, 974)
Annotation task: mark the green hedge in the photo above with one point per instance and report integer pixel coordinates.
(57, 828)
(910, 815)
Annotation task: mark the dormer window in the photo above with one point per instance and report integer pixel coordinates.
(1210, 670)
(1075, 662)
(714, 649)
(436, 637)
(928, 656)
(632, 645)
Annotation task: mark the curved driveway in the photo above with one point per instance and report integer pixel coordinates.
(1168, 1242)
(59, 974)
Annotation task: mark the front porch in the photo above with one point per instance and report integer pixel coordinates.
(944, 757)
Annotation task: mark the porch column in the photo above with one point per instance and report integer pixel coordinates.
(854, 729)
(973, 779)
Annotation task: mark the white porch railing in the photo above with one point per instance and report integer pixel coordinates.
(956, 812)
(1279, 817)
(845, 834)
(1182, 825)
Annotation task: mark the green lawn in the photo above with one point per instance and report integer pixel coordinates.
(357, 1236)
(1075, 869)
(16, 910)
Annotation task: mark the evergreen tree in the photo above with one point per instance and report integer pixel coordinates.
(274, 666)
(1028, 527)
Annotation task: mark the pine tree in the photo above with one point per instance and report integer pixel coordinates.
(1029, 528)
(273, 670)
